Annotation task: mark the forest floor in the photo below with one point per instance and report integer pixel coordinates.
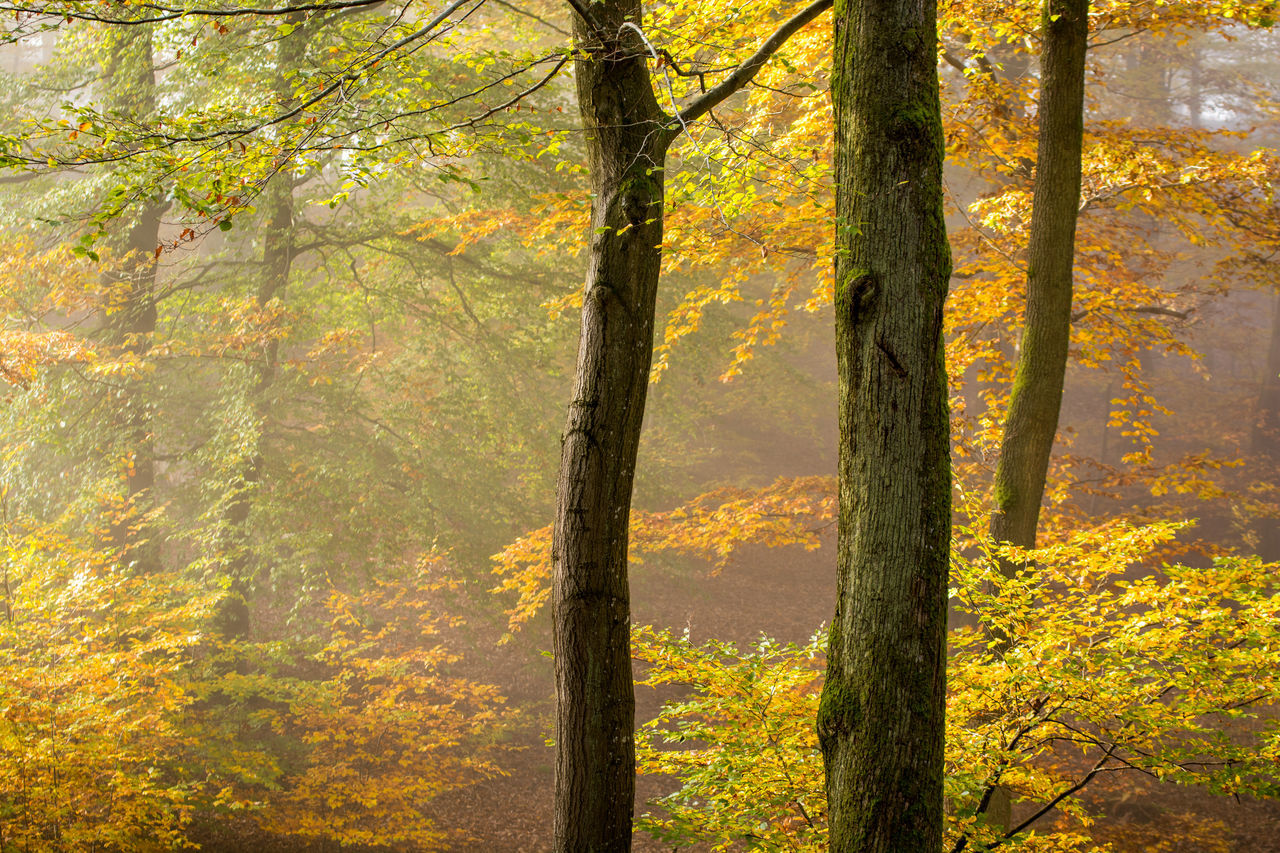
(787, 594)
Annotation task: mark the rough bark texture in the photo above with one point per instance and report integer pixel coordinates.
(130, 77)
(627, 140)
(1265, 439)
(881, 717)
(1036, 398)
(627, 137)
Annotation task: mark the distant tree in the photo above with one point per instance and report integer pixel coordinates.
(1036, 397)
(128, 74)
(277, 202)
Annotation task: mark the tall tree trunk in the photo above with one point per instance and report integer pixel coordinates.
(591, 611)
(1195, 87)
(277, 262)
(627, 138)
(129, 75)
(881, 717)
(1036, 399)
(1265, 439)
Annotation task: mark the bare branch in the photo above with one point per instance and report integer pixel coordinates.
(353, 74)
(954, 61)
(526, 13)
(517, 98)
(585, 14)
(161, 13)
(1052, 804)
(1159, 310)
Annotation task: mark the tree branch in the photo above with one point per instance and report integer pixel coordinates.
(161, 13)
(585, 13)
(954, 61)
(743, 74)
(1052, 804)
(339, 81)
(526, 13)
(1142, 309)
(520, 96)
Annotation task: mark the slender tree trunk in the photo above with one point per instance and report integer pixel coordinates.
(881, 717)
(233, 617)
(1036, 399)
(591, 611)
(1265, 439)
(1195, 88)
(627, 138)
(129, 75)
(277, 261)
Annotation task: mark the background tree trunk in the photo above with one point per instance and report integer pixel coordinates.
(277, 262)
(591, 612)
(881, 718)
(129, 77)
(1264, 440)
(1036, 398)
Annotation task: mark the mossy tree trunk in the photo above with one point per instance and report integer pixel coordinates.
(881, 717)
(1036, 399)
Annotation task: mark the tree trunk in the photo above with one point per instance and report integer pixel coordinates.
(627, 140)
(233, 620)
(129, 72)
(627, 137)
(881, 717)
(1265, 439)
(1036, 399)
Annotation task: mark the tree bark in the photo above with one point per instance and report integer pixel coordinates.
(881, 716)
(1036, 398)
(1035, 401)
(627, 139)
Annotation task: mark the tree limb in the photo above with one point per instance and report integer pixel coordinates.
(743, 74)
(161, 13)
(1142, 309)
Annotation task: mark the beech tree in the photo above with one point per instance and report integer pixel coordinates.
(131, 321)
(628, 137)
(880, 721)
(1036, 397)
(273, 278)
